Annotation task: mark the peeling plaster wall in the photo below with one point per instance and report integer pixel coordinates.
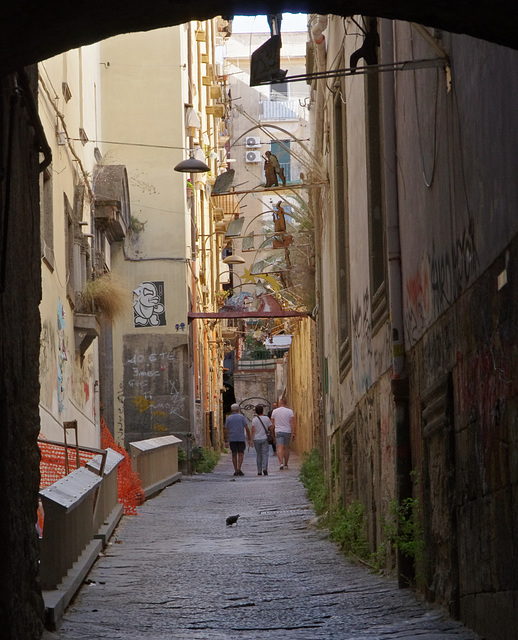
(303, 386)
(457, 152)
(68, 380)
(458, 225)
(151, 379)
(468, 464)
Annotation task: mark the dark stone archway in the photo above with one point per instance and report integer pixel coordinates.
(34, 30)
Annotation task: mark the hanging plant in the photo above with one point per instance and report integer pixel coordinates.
(104, 295)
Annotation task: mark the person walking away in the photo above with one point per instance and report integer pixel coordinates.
(274, 444)
(261, 426)
(284, 424)
(237, 435)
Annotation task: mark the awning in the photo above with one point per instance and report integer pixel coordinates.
(281, 341)
(224, 315)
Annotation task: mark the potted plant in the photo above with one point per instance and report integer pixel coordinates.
(104, 295)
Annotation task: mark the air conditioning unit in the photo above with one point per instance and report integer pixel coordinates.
(253, 141)
(253, 156)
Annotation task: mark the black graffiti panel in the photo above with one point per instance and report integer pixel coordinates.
(156, 386)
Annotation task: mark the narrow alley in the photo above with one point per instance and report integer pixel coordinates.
(177, 571)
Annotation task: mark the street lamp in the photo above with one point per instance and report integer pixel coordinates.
(233, 259)
(192, 164)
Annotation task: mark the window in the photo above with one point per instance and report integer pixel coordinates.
(279, 91)
(47, 218)
(341, 208)
(281, 149)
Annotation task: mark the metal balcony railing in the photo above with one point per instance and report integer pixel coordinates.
(279, 110)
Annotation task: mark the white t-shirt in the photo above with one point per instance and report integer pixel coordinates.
(283, 416)
(259, 432)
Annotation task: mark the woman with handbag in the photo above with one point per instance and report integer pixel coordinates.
(263, 436)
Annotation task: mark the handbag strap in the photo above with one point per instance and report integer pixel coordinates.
(263, 425)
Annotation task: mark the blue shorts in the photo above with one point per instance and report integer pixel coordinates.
(282, 437)
(237, 447)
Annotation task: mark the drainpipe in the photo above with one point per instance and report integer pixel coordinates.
(317, 25)
(399, 383)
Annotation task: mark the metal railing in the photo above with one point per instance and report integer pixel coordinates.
(245, 365)
(279, 110)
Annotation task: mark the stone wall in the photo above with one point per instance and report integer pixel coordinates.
(21, 604)
(40, 31)
(464, 410)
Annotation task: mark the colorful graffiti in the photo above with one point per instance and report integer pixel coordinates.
(434, 287)
(417, 308)
(62, 357)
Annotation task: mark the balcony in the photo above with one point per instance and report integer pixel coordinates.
(112, 203)
(275, 110)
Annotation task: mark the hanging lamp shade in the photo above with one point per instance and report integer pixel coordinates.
(192, 165)
(233, 259)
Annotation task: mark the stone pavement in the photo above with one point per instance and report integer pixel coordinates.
(176, 571)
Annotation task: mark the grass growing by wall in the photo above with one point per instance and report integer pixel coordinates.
(313, 478)
(403, 528)
(347, 525)
(204, 460)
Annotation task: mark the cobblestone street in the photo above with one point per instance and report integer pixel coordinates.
(176, 571)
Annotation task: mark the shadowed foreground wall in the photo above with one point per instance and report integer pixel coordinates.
(36, 31)
(21, 605)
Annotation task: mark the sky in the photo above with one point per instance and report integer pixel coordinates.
(259, 24)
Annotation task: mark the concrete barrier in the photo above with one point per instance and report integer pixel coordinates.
(68, 547)
(108, 510)
(156, 462)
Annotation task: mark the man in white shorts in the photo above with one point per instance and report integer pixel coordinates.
(283, 420)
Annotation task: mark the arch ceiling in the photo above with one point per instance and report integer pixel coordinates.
(34, 30)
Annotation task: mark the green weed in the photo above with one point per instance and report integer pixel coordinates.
(347, 528)
(403, 528)
(204, 460)
(313, 478)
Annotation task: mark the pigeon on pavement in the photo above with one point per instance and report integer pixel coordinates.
(232, 520)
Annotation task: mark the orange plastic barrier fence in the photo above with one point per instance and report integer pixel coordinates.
(53, 468)
(52, 464)
(129, 485)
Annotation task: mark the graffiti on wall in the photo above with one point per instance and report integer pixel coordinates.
(149, 305)
(432, 289)
(417, 308)
(119, 417)
(62, 357)
(155, 386)
(451, 270)
(362, 343)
